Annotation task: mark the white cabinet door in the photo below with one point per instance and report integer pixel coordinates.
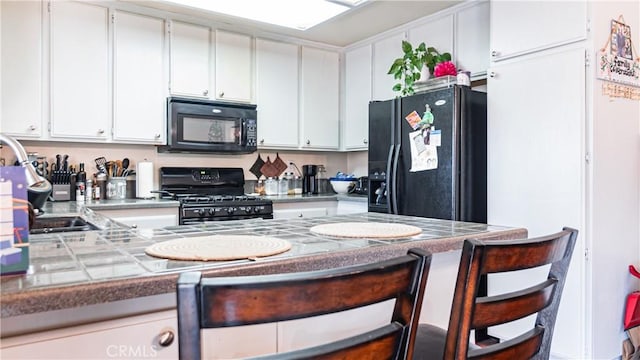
(305, 209)
(80, 76)
(536, 163)
(233, 66)
(139, 79)
(277, 93)
(384, 53)
(190, 53)
(21, 68)
(472, 39)
(357, 97)
(135, 337)
(437, 34)
(320, 99)
(545, 25)
(153, 218)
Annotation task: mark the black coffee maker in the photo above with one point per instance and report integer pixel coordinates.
(309, 179)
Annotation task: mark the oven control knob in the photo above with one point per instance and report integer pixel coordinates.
(212, 211)
(200, 212)
(230, 210)
(248, 209)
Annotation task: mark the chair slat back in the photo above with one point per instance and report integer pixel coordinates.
(472, 312)
(236, 301)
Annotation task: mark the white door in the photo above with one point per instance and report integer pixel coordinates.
(472, 39)
(21, 68)
(357, 97)
(139, 79)
(384, 53)
(190, 53)
(320, 99)
(80, 74)
(536, 171)
(521, 27)
(233, 66)
(277, 93)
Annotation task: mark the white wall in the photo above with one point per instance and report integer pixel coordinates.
(615, 210)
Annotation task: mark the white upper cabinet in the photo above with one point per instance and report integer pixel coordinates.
(472, 39)
(320, 99)
(277, 93)
(21, 68)
(357, 97)
(555, 23)
(233, 66)
(437, 34)
(190, 54)
(384, 53)
(139, 78)
(80, 74)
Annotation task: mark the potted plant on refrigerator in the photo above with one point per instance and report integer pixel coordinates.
(419, 64)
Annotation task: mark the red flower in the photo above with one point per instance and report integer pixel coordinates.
(445, 68)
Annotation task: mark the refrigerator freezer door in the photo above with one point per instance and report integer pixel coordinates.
(381, 119)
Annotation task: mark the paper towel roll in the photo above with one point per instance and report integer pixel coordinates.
(144, 179)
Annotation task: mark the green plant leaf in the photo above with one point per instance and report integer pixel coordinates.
(397, 87)
(445, 57)
(406, 47)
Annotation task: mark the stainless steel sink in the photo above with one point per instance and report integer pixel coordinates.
(61, 224)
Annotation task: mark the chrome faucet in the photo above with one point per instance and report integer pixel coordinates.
(37, 186)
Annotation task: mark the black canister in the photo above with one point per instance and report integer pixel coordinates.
(309, 179)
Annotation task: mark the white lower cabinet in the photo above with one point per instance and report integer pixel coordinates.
(134, 337)
(309, 209)
(155, 218)
(351, 207)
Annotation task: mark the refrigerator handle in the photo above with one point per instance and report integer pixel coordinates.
(394, 179)
(388, 179)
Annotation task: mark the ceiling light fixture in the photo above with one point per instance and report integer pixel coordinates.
(296, 14)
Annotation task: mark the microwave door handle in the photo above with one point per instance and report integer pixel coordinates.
(243, 132)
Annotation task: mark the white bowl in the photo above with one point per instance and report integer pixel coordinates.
(341, 186)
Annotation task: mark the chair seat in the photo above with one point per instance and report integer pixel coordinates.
(429, 343)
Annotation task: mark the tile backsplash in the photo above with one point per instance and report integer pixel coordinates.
(351, 162)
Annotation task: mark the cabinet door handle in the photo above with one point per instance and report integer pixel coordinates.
(166, 338)
(308, 142)
(32, 127)
(101, 131)
(492, 74)
(261, 141)
(300, 215)
(494, 53)
(157, 136)
(205, 92)
(364, 141)
(134, 226)
(221, 94)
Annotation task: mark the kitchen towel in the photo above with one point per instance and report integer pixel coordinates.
(144, 180)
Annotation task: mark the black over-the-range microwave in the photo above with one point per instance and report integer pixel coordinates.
(202, 126)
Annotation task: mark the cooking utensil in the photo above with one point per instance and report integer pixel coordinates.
(125, 166)
(65, 162)
(118, 167)
(100, 163)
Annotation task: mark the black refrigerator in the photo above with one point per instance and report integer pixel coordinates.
(435, 167)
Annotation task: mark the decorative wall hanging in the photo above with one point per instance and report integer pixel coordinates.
(618, 60)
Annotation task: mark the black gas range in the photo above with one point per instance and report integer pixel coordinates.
(211, 194)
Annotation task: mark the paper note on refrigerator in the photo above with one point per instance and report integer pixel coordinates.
(424, 157)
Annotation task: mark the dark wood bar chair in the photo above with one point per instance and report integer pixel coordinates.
(235, 301)
(474, 310)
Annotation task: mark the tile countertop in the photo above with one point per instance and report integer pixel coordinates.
(74, 269)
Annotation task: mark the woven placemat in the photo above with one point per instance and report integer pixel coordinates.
(366, 230)
(219, 247)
